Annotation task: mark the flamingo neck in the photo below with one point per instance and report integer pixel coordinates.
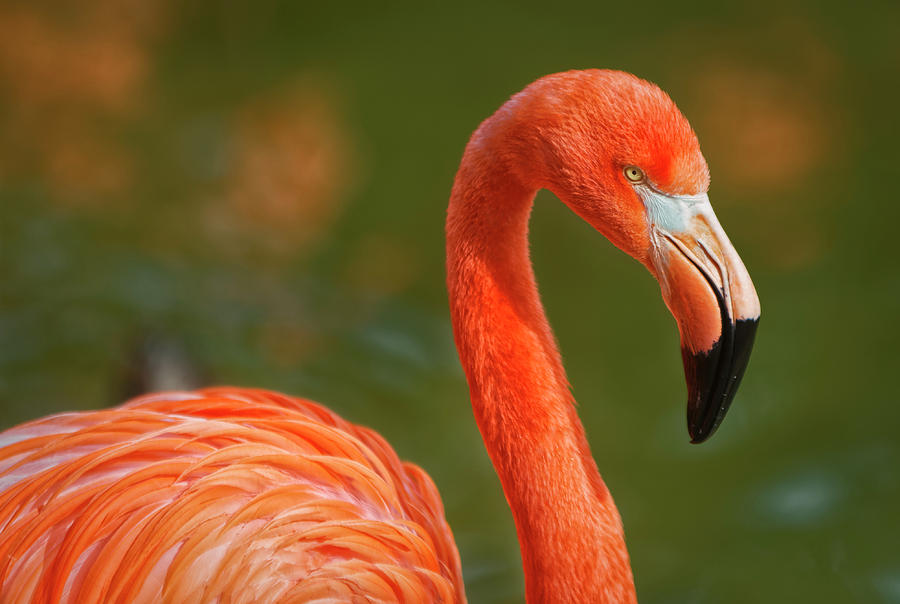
(569, 530)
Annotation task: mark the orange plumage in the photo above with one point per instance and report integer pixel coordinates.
(230, 495)
(223, 494)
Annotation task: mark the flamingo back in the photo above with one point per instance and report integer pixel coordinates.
(217, 495)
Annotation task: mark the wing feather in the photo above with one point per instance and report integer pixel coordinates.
(219, 495)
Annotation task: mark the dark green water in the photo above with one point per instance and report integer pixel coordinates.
(267, 184)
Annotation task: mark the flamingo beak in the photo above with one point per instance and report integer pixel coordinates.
(709, 292)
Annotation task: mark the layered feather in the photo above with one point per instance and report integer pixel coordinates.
(218, 495)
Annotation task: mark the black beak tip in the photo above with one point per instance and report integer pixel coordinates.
(713, 377)
(698, 435)
(704, 416)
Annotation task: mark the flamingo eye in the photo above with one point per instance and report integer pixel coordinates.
(634, 174)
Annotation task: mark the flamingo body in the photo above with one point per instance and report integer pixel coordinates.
(231, 495)
(219, 495)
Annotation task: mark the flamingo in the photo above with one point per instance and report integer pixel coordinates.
(240, 495)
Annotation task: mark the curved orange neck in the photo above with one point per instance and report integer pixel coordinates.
(569, 530)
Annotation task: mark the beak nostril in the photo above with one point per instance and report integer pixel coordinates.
(722, 268)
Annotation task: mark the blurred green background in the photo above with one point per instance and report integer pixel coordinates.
(265, 183)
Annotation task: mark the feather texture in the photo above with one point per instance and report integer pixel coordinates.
(218, 495)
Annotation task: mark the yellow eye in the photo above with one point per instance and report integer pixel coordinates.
(634, 174)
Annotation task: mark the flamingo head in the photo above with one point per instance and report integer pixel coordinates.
(619, 153)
